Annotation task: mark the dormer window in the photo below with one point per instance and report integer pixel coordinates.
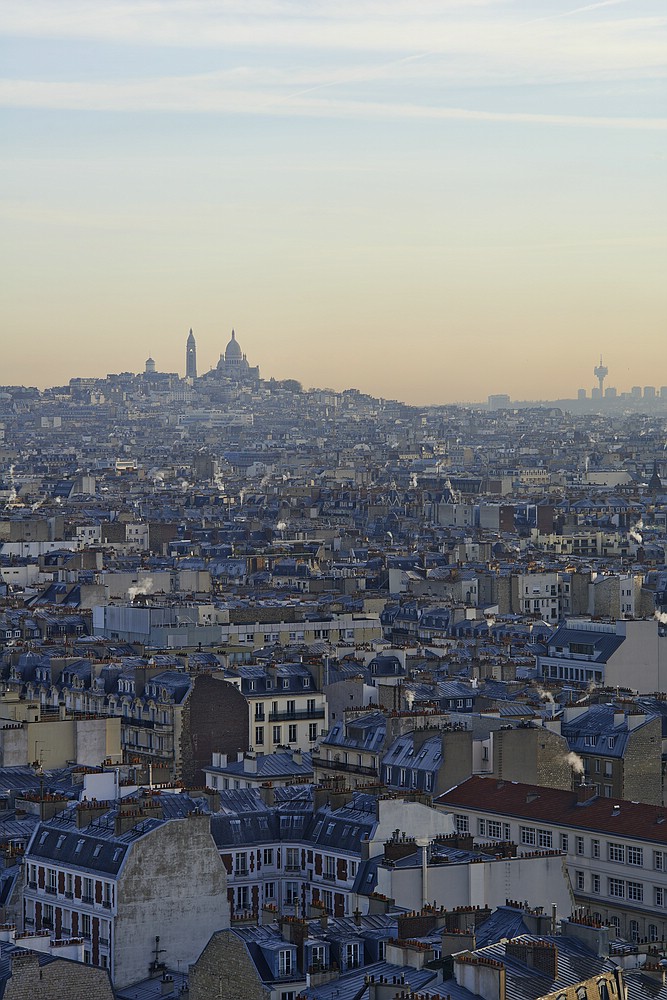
(285, 963)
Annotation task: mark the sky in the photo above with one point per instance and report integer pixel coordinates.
(429, 200)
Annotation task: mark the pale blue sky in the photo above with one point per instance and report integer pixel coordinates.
(429, 200)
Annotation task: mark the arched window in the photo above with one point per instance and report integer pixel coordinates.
(652, 932)
(633, 929)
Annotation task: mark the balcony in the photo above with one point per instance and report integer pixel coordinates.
(51, 890)
(329, 876)
(87, 899)
(341, 765)
(296, 716)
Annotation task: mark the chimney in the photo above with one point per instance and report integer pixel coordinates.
(585, 794)
(166, 985)
(250, 763)
(267, 794)
(539, 955)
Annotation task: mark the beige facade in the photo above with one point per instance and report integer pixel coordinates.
(28, 736)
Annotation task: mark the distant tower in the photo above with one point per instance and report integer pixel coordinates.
(150, 367)
(191, 357)
(601, 373)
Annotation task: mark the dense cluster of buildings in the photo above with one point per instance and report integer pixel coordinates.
(310, 694)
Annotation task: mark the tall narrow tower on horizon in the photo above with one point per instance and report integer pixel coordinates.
(601, 373)
(191, 357)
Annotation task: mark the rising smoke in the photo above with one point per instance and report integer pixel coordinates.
(145, 587)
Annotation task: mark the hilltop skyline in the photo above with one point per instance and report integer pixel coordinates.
(432, 202)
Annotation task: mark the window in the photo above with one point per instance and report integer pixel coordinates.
(47, 915)
(285, 963)
(242, 897)
(634, 930)
(565, 842)
(428, 781)
(327, 900)
(292, 859)
(579, 881)
(352, 955)
(462, 823)
(276, 734)
(636, 856)
(259, 736)
(659, 896)
(545, 838)
(481, 827)
(352, 869)
(595, 848)
(590, 741)
(52, 883)
(616, 887)
(329, 867)
(595, 883)
(269, 890)
(659, 861)
(291, 893)
(312, 731)
(291, 734)
(268, 855)
(241, 863)
(85, 925)
(636, 891)
(527, 835)
(608, 769)
(579, 845)
(653, 932)
(616, 852)
(87, 893)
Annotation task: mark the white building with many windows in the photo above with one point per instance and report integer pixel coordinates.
(616, 850)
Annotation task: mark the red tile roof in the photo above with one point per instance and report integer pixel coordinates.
(555, 807)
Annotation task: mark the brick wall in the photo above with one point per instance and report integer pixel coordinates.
(56, 980)
(224, 971)
(215, 718)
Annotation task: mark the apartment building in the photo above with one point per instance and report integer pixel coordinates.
(285, 708)
(616, 850)
(119, 879)
(627, 653)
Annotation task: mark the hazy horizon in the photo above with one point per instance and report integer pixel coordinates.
(430, 201)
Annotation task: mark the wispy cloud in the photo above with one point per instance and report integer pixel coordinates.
(202, 95)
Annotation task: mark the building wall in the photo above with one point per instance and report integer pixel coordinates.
(642, 764)
(224, 971)
(641, 662)
(214, 718)
(173, 885)
(55, 980)
(489, 883)
(86, 741)
(518, 753)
